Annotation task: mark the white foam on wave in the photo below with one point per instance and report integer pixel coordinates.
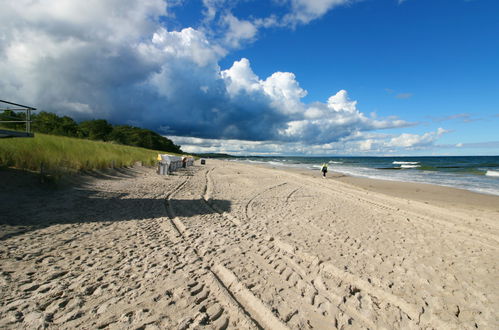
(476, 183)
(250, 161)
(333, 162)
(492, 173)
(409, 166)
(405, 163)
(276, 163)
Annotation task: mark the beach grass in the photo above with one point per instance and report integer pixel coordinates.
(58, 155)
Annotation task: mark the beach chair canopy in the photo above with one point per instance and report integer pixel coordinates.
(169, 158)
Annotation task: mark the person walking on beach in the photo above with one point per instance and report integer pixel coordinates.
(324, 170)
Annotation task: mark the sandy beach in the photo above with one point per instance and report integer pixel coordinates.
(235, 246)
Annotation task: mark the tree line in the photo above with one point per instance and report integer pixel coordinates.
(97, 129)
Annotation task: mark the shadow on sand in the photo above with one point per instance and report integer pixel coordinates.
(27, 205)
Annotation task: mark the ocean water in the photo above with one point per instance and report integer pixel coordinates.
(474, 173)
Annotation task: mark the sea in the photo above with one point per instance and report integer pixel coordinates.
(475, 173)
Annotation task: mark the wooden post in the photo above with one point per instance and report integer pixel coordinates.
(42, 175)
(28, 121)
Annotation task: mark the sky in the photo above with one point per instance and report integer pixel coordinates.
(277, 77)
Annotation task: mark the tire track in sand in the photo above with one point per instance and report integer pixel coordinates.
(423, 220)
(266, 317)
(247, 206)
(298, 278)
(355, 285)
(291, 272)
(218, 290)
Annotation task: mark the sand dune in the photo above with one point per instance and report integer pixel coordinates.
(241, 247)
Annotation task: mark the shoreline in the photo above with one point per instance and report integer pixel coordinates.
(429, 193)
(481, 184)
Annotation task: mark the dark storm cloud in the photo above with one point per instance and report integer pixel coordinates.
(114, 60)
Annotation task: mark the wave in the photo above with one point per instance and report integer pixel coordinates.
(492, 173)
(250, 161)
(478, 183)
(405, 163)
(409, 166)
(333, 162)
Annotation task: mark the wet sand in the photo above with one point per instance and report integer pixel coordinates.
(239, 246)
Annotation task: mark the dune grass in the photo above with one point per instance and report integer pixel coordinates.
(59, 155)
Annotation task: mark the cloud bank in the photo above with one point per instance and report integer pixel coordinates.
(356, 144)
(115, 60)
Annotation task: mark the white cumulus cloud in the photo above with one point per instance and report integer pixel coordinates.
(240, 77)
(340, 102)
(337, 119)
(407, 140)
(116, 60)
(238, 30)
(304, 11)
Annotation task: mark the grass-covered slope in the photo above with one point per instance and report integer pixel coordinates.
(61, 155)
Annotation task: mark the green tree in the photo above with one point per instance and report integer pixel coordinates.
(120, 134)
(45, 122)
(98, 129)
(141, 137)
(67, 126)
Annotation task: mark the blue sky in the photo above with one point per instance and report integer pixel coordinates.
(321, 77)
